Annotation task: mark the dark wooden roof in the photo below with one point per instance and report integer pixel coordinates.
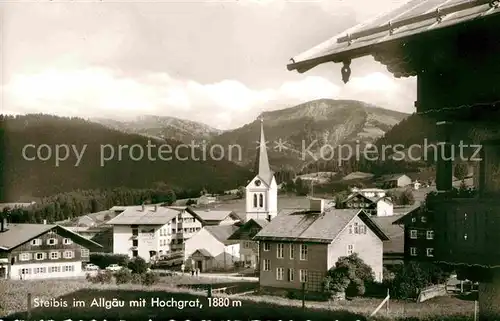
(388, 37)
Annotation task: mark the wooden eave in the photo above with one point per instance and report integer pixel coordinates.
(393, 39)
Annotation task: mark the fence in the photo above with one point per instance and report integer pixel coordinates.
(384, 302)
(431, 292)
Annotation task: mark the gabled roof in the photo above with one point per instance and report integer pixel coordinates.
(391, 177)
(411, 19)
(317, 227)
(17, 234)
(222, 233)
(394, 232)
(370, 199)
(406, 218)
(203, 252)
(150, 215)
(209, 215)
(257, 223)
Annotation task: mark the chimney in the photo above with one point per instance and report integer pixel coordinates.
(44, 222)
(143, 207)
(317, 205)
(156, 208)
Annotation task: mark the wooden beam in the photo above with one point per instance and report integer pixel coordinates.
(391, 25)
(444, 160)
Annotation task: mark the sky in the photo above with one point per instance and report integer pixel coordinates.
(217, 62)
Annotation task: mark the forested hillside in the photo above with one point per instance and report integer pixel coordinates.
(31, 176)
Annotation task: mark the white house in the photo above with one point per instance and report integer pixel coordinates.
(262, 191)
(42, 251)
(377, 206)
(369, 192)
(210, 249)
(151, 232)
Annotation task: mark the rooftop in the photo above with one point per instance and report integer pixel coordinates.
(222, 232)
(17, 234)
(150, 215)
(314, 226)
(394, 28)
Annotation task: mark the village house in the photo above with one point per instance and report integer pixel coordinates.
(211, 249)
(418, 235)
(302, 246)
(375, 205)
(206, 199)
(249, 249)
(394, 181)
(152, 232)
(41, 251)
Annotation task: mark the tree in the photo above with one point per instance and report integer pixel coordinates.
(406, 197)
(241, 192)
(301, 189)
(350, 276)
(170, 197)
(460, 171)
(414, 276)
(138, 265)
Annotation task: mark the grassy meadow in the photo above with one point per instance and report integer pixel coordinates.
(13, 303)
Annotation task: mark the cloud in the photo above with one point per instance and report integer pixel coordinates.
(95, 92)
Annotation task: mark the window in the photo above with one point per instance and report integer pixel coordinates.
(39, 270)
(413, 219)
(267, 247)
(303, 275)
(36, 242)
(54, 255)
(40, 256)
(430, 235)
(292, 251)
(350, 229)
(24, 256)
(254, 200)
(261, 200)
(67, 241)
(303, 252)
(356, 228)
(68, 254)
(25, 271)
(266, 265)
(279, 250)
(161, 232)
(423, 219)
(430, 252)
(350, 249)
(291, 273)
(279, 273)
(85, 252)
(135, 232)
(413, 234)
(135, 253)
(52, 241)
(135, 242)
(69, 268)
(413, 251)
(54, 269)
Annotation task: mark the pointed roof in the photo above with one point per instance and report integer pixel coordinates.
(262, 161)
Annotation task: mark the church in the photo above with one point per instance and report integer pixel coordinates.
(261, 205)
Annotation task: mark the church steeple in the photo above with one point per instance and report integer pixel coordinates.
(263, 170)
